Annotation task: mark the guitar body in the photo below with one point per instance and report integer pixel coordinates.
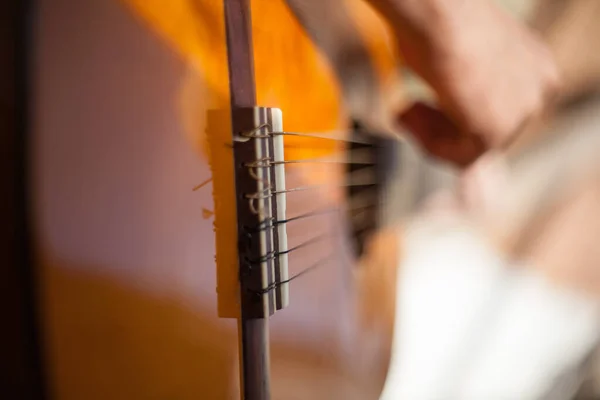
(300, 68)
(291, 71)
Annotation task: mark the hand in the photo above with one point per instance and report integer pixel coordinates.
(490, 73)
(562, 246)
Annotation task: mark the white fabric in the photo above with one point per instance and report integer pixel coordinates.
(468, 326)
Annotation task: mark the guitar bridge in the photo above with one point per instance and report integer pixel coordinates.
(261, 210)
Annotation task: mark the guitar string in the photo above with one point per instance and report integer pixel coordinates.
(340, 135)
(313, 267)
(274, 254)
(342, 157)
(316, 265)
(266, 163)
(270, 223)
(326, 186)
(339, 156)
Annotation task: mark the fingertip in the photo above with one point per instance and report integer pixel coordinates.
(439, 136)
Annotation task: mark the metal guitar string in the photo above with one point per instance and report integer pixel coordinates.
(317, 264)
(335, 135)
(275, 254)
(257, 199)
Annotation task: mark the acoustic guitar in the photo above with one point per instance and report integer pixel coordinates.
(303, 85)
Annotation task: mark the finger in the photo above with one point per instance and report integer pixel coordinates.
(483, 184)
(566, 249)
(440, 137)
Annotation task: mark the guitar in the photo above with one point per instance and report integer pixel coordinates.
(326, 66)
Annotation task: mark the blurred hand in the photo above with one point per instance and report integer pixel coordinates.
(491, 74)
(563, 246)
